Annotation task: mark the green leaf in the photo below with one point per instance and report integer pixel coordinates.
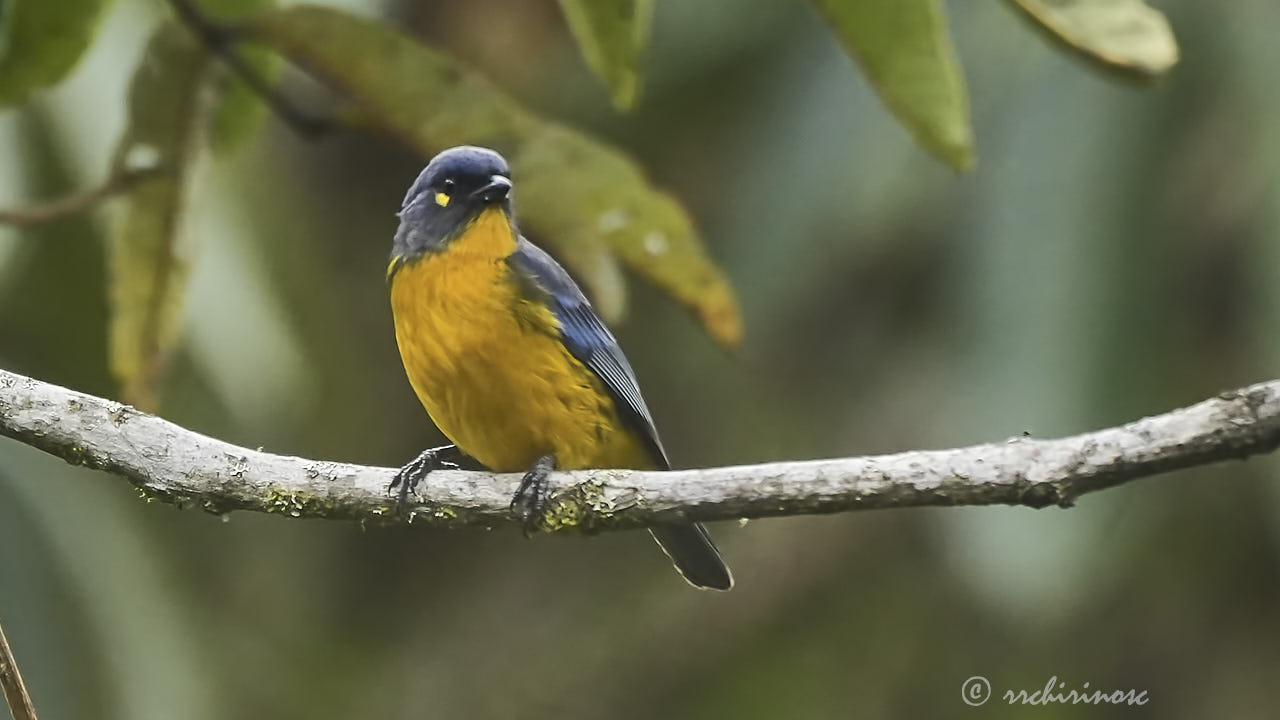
(40, 41)
(1127, 35)
(577, 193)
(148, 248)
(6, 14)
(904, 48)
(612, 35)
(240, 111)
(577, 196)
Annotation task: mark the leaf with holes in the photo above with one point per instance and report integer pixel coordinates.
(1126, 35)
(612, 35)
(905, 51)
(585, 201)
(169, 107)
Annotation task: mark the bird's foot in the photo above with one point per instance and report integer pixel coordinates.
(532, 496)
(408, 477)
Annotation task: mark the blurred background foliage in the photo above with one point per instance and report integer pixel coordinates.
(1112, 254)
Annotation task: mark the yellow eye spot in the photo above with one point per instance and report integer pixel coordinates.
(441, 199)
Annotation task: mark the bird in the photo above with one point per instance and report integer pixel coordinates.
(507, 355)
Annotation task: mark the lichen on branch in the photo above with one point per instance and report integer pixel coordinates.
(175, 465)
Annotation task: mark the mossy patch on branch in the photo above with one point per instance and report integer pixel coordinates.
(584, 508)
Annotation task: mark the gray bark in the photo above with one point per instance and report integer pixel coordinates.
(175, 465)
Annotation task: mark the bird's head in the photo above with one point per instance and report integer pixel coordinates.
(453, 190)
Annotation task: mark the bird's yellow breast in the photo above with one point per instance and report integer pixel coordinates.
(489, 366)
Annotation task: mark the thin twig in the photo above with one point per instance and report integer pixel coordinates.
(173, 464)
(220, 40)
(15, 691)
(76, 202)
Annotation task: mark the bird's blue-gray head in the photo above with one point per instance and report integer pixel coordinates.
(455, 187)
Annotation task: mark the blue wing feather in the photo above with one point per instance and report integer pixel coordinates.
(587, 338)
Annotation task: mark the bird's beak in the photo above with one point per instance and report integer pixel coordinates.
(495, 190)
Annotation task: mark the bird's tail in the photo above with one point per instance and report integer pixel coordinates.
(694, 555)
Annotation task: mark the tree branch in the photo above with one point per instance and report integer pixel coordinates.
(172, 464)
(15, 692)
(77, 202)
(220, 40)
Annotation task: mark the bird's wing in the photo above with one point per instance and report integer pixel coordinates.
(585, 335)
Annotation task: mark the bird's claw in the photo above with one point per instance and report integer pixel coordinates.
(533, 494)
(412, 474)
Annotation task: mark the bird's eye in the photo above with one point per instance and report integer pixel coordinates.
(445, 193)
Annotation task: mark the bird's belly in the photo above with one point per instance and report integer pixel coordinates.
(504, 392)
